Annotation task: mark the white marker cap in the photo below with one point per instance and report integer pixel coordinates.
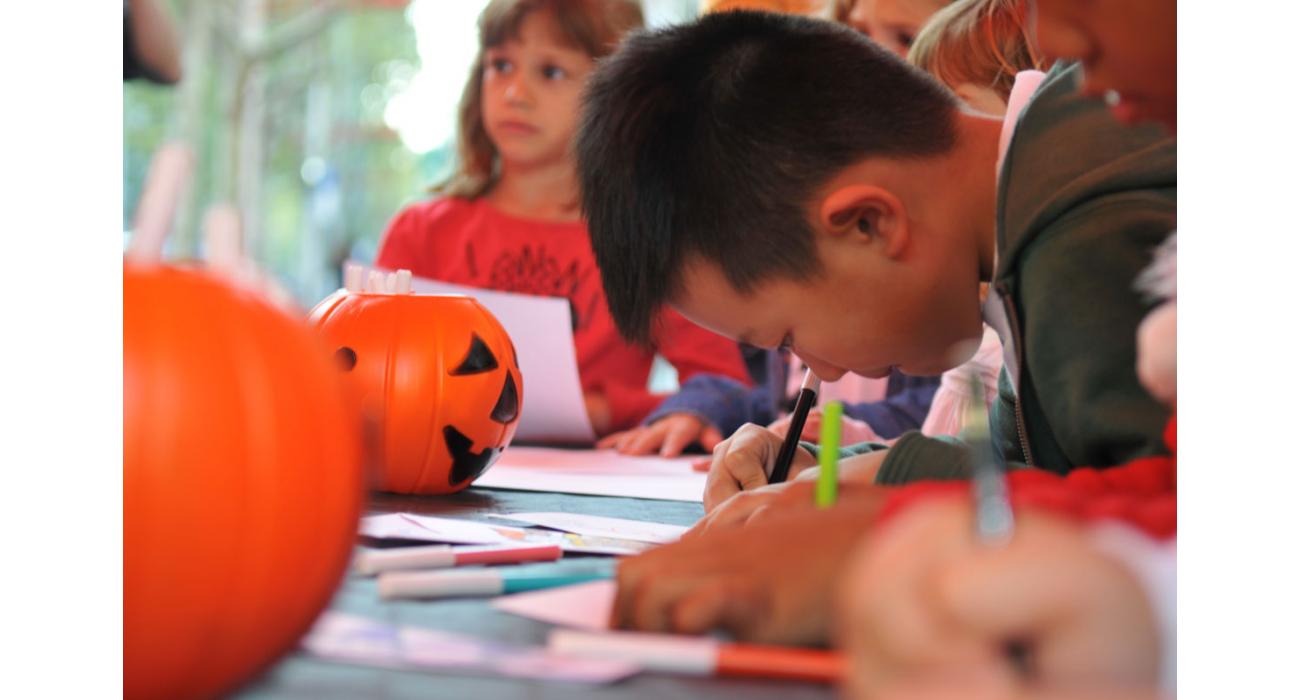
(375, 282)
(403, 281)
(439, 584)
(353, 277)
(653, 652)
(403, 558)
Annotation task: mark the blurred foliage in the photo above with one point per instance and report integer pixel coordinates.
(330, 174)
(282, 103)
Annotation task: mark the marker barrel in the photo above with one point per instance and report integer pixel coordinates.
(442, 556)
(702, 656)
(439, 584)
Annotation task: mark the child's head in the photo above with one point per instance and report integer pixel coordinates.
(893, 24)
(521, 100)
(976, 47)
(1129, 50)
(723, 167)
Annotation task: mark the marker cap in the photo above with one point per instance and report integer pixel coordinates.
(439, 584)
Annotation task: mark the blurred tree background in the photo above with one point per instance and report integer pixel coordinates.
(317, 119)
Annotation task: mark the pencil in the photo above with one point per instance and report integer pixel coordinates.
(807, 397)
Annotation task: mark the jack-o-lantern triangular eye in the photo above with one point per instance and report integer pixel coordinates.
(479, 359)
(507, 408)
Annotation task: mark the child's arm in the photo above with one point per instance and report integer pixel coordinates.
(693, 351)
(708, 408)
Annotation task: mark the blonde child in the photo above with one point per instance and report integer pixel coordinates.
(976, 48)
(894, 24)
(509, 217)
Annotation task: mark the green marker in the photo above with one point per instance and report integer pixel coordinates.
(829, 457)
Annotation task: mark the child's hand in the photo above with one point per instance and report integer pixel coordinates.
(668, 436)
(746, 507)
(851, 429)
(926, 601)
(741, 462)
(771, 582)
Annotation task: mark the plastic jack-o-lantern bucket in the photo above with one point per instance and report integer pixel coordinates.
(242, 483)
(437, 377)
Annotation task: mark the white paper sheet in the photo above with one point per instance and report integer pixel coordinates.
(363, 641)
(553, 410)
(597, 526)
(427, 528)
(584, 606)
(595, 472)
(430, 529)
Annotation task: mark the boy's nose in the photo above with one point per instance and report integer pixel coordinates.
(824, 371)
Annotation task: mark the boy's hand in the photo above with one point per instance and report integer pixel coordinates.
(742, 461)
(851, 429)
(668, 436)
(771, 582)
(926, 601)
(856, 474)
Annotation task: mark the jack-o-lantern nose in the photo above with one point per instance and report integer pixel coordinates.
(507, 408)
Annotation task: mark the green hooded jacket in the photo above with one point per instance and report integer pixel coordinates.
(1082, 203)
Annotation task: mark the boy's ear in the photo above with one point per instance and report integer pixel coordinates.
(867, 212)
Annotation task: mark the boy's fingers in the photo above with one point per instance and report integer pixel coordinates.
(652, 603)
(1007, 592)
(717, 604)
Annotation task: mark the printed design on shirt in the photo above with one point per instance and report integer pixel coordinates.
(532, 270)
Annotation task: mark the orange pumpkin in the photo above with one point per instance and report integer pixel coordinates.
(437, 375)
(242, 483)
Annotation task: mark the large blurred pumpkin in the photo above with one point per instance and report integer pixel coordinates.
(437, 375)
(242, 483)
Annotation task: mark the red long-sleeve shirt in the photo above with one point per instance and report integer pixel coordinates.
(470, 242)
(1142, 493)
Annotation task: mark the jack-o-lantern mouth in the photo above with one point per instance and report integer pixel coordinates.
(466, 464)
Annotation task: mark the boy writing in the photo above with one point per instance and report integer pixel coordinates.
(784, 182)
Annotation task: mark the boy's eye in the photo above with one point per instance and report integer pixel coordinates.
(499, 65)
(554, 73)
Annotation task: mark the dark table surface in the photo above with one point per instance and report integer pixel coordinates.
(301, 676)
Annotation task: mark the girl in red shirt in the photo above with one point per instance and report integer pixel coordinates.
(509, 218)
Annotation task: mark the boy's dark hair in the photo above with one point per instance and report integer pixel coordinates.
(708, 141)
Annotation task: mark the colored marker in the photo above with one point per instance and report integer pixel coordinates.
(829, 457)
(701, 656)
(483, 582)
(807, 397)
(994, 521)
(441, 557)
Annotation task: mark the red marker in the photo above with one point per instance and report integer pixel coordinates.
(442, 556)
(701, 656)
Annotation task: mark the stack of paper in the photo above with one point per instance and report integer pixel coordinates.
(597, 473)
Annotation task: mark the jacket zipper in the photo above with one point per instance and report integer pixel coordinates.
(1012, 320)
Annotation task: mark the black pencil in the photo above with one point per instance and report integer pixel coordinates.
(807, 397)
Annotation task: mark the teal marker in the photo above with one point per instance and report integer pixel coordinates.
(829, 457)
(485, 582)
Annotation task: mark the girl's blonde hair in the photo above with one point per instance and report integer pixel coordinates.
(592, 26)
(982, 42)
